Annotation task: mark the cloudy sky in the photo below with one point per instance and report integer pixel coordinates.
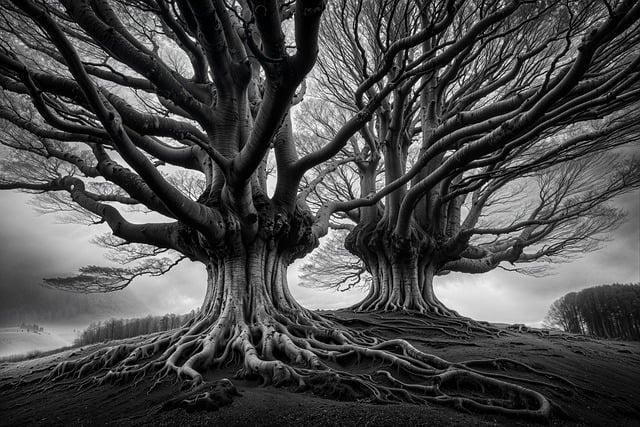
(33, 246)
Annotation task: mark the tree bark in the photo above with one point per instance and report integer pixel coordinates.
(246, 309)
(402, 272)
(248, 280)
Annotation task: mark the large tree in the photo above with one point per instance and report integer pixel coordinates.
(103, 101)
(505, 150)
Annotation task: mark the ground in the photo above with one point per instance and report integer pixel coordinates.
(605, 390)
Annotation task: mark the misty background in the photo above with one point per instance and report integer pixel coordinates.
(34, 246)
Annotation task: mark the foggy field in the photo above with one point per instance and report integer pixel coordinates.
(16, 341)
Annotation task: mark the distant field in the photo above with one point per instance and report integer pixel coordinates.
(15, 341)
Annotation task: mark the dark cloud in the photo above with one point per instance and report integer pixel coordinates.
(34, 245)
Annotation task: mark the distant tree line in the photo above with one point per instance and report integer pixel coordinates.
(114, 329)
(607, 311)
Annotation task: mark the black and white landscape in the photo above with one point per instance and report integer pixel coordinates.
(323, 212)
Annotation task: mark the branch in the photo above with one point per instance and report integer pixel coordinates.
(96, 279)
(191, 212)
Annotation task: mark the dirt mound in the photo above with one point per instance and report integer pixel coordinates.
(588, 382)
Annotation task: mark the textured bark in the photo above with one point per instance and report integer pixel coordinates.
(402, 272)
(249, 280)
(249, 320)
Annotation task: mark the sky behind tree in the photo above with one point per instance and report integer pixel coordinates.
(36, 246)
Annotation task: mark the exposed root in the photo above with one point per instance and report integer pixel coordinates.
(549, 333)
(207, 397)
(304, 350)
(456, 327)
(394, 303)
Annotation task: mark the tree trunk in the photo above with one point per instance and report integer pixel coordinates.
(248, 313)
(402, 273)
(246, 310)
(250, 280)
(401, 284)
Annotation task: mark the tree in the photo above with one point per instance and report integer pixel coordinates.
(103, 101)
(114, 329)
(607, 311)
(506, 150)
(576, 222)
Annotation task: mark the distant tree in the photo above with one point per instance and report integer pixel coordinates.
(607, 311)
(31, 327)
(114, 329)
(332, 267)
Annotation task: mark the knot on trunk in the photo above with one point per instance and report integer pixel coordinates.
(401, 249)
(300, 237)
(363, 240)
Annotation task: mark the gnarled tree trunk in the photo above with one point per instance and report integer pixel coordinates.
(402, 272)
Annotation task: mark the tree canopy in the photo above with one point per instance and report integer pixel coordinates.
(468, 133)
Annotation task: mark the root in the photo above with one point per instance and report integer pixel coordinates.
(412, 304)
(209, 397)
(456, 327)
(306, 351)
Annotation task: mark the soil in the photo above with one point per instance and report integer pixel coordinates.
(605, 390)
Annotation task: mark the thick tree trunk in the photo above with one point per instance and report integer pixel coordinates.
(402, 273)
(251, 280)
(247, 311)
(401, 284)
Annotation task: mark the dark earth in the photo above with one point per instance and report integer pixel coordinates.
(590, 382)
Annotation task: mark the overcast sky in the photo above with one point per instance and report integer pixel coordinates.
(33, 246)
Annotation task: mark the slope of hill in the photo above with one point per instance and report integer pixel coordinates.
(591, 382)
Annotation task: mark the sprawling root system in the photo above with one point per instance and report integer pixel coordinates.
(306, 351)
(418, 324)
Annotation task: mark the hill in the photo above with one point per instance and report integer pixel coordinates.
(589, 381)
